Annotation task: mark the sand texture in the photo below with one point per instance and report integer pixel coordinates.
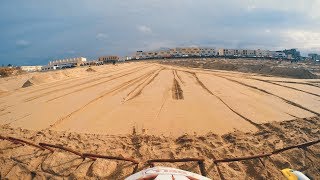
(157, 99)
(149, 110)
(27, 162)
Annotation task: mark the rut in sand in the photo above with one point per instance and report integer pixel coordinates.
(177, 92)
(267, 92)
(111, 78)
(116, 89)
(221, 100)
(138, 89)
(79, 84)
(270, 82)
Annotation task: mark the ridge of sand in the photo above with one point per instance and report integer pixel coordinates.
(262, 67)
(90, 70)
(26, 162)
(28, 83)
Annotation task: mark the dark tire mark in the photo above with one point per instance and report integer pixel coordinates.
(120, 87)
(293, 115)
(304, 83)
(221, 100)
(141, 86)
(177, 92)
(161, 107)
(96, 84)
(64, 88)
(266, 81)
(57, 90)
(54, 84)
(269, 93)
(180, 79)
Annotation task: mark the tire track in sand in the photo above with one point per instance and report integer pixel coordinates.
(281, 85)
(5, 113)
(162, 105)
(177, 92)
(266, 92)
(118, 88)
(221, 100)
(76, 85)
(3, 110)
(138, 89)
(304, 83)
(93, 85)
(18, 119)
(180, 79)
(63, 82)
(269, 93)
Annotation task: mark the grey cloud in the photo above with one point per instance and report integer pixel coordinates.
(94, 28)
(22, 43)
(144, 29)
(102, 36)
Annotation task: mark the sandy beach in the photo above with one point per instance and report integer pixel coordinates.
(145, 96)
(149, 110)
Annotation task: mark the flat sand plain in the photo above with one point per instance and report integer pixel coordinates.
(146, 110)
(153, 98)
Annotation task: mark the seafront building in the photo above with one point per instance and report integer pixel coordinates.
(208, 52)
(64, 63)
(72, 61)
(31, 68)
(176, 52)
(108, 58)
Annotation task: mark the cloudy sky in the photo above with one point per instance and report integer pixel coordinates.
(36, 31)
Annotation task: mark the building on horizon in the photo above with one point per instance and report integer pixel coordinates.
(64, 63)
(31, 68)
(107, 59)
(180, 52)
(176, 53)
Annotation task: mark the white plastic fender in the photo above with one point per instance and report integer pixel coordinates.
(165, 173)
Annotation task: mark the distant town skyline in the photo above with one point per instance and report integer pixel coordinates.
(35, 32)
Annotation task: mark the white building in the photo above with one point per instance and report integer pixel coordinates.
(227, 52)
(262, 53)
(72, 61)
(31, 68)
(208, 52)
(63, 63)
